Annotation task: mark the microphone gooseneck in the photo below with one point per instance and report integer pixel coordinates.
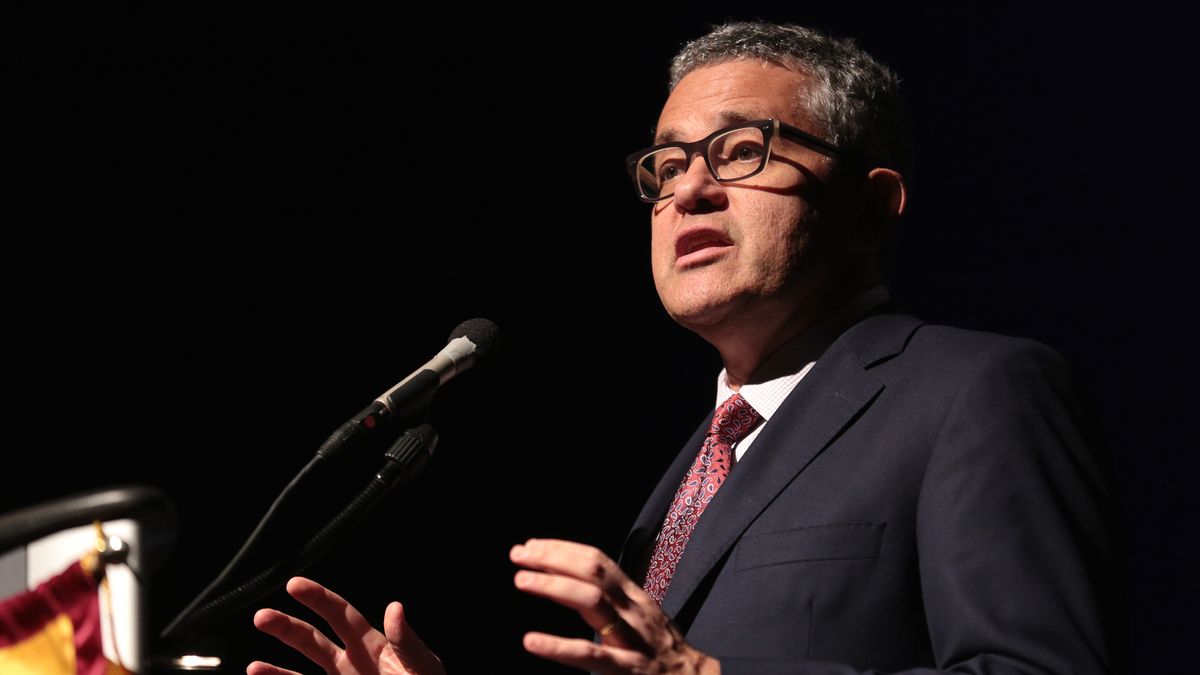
(405, 459)
(469, 342)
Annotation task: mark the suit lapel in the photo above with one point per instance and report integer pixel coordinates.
(837, 390)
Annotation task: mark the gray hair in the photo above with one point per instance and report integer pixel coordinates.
(854, 97)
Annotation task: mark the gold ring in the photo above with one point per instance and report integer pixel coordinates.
(609, 627)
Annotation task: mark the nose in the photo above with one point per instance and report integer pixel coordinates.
(697, 190)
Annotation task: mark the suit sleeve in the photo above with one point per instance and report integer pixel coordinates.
(1020, 565)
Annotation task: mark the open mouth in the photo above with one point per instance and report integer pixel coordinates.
(700, 244)
(707, 243)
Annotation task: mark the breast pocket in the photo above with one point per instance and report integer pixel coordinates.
(848, 541)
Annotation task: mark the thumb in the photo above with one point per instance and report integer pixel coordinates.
(407, 646)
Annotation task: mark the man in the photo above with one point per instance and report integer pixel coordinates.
(873, 494)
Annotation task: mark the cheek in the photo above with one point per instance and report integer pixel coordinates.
(773, 226)
(780, 239)
(661, 243)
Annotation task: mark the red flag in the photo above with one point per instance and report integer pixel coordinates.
(55, 629)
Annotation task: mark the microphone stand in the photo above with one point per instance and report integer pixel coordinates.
(404, 460)
(369, 419)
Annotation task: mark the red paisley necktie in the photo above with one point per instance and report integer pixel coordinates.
(733, 421)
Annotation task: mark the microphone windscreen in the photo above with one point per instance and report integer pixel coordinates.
(482, 332)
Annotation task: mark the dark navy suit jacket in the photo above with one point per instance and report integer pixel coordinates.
(926, 500)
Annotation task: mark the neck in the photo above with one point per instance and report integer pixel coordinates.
(746, 341)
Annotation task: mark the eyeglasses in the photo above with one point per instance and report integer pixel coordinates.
(733, 153)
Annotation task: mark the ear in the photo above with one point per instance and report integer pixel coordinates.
(884, 199)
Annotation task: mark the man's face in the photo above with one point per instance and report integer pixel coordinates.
(731, 250)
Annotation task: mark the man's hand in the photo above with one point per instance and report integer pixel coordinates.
(636, 636)
(396, 651)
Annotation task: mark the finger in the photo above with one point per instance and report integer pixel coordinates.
(298, 635)
(347, 622)
(583, 597)
(580, 596)
(637, 610)
(408, 646)
(585, 654)
(586, 563)
(262, 668)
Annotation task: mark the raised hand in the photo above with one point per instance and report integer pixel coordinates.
(364, 651)
(636, 636)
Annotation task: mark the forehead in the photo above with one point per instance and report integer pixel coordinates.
(711, 97)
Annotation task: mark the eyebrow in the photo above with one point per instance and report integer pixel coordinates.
(727, 117)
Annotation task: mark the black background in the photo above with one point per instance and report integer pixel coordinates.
(228, 230)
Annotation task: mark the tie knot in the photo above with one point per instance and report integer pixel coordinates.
(734, 419)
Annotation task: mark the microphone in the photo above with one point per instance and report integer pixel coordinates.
(470, 342)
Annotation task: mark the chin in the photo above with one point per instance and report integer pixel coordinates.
(697, 313)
